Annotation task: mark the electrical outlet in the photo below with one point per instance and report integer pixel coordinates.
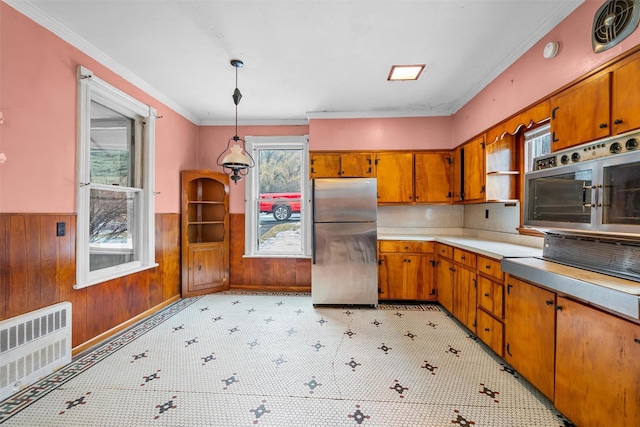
(60, 229)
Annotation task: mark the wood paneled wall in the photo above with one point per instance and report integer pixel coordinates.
(37, 269)
(273, 274)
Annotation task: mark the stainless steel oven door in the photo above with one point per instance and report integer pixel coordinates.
(620, 194)
(562, 198)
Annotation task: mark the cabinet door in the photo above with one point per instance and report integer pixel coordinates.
(356, 165)
(473, 170)
(444, 283)
(433, 184)
(420, 277)
(530, 333)
(395, 177)
(597, 367)
(581, 114)
(392, 271)
(206, 268)
(625, 102)
(464, 297)
(456, 174)
(324, 165)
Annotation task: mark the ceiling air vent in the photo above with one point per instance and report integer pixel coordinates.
(614, 21)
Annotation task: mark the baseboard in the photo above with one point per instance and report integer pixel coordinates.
(273, 288)
(111, 332)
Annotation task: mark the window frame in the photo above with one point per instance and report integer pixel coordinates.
(92, 88)
(253, 144)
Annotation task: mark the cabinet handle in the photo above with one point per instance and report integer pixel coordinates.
(509, 289)
(486, 294)
(508, 351)
(199, 267)
(553, 112)
(452, 269)
(408, 260)
(637, 340)
(406, 247)
(549, 302)
(603, 125)
(462, 257)
(558, 308)
(486, 329)
(617, 121)
(553, 137)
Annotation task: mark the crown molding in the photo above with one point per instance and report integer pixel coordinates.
(249, 122)
(313, 115)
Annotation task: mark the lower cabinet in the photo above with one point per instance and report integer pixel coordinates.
(456, 283)
(597, 381)
(490, 331)
(530, 323)
(206, 267)
(406, 271)
(444, 283)
(464, 296)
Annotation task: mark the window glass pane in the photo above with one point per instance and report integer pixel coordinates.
(111, 154)
(112, 237)
(278, 202)
(537, 142)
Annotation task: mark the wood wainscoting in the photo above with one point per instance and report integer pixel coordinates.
(37, 269)
(270, 274)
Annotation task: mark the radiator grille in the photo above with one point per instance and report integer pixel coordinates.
(33, 345)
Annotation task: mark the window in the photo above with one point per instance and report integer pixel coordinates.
(277, 197)
(115, 223)
(537, 142)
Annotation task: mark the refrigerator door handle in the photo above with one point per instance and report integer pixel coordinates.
(313, 243)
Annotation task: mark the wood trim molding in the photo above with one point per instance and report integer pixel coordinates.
(533, 115)
(113, 331)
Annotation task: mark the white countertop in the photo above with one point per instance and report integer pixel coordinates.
(491, 248)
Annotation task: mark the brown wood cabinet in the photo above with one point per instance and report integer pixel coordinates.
(406, 270)
(432, 177)
(341, 165)
(502, 170)
(394, 172)
(597, 379)
(468, 171)
(456, 283)
(530, 333)
(581, 113)
(625, 102)
(205, 232)
(490, 326)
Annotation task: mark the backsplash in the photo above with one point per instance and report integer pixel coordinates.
(422, 216)
(502, 217)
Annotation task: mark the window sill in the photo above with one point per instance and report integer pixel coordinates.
(277, 256)
(115, 276)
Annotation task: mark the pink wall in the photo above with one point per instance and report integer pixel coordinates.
(38, 89)
(533, 77)
(213, 139)
(404, 133)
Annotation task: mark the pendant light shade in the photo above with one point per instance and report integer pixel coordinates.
(236, 161)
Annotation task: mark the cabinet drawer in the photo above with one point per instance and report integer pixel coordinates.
(464, 257)
(406, 246)
(491, 332)
(490, 267)
(444, 250)
(491, 296)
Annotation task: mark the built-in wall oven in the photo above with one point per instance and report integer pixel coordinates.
(591, 188)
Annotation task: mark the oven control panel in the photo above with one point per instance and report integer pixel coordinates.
(612, 146)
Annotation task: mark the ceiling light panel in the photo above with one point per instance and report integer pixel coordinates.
(405, 72)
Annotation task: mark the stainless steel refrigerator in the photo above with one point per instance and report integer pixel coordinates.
(344, 268)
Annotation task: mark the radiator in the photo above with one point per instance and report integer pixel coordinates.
(33, 345)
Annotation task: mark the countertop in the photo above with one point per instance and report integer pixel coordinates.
(491, 248)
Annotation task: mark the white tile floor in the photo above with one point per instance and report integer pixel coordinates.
(241, 359)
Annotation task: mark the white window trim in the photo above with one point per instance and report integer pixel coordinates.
(93, 88)
(251, 189)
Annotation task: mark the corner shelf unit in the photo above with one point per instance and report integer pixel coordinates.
(205, 232)
(502, 171)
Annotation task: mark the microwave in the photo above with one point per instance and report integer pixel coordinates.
(593, 188)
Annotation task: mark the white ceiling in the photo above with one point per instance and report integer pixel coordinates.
(303, 58)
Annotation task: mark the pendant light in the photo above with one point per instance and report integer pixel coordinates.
(235, 162)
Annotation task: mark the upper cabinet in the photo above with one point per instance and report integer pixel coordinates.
(432, 172)
(602, 105)
(503, 170)
(468, 171)
(341, 165)
(581, 113)
(395, 177)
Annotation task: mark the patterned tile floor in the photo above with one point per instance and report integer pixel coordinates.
(242, 359)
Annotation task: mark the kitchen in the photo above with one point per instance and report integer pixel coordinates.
(327, 134)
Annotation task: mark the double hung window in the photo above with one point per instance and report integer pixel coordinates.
(115, 209)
